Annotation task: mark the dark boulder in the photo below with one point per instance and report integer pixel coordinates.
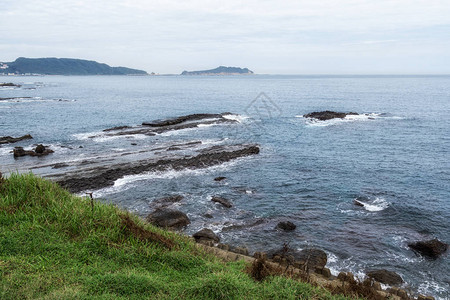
(432, 248)
(309, 259)
(286, 226)
(328, 115)
(385, 276)
(10, 139)
(206, 235)
(19, 151)
(168, 218)
(9, 84)
(39, 149)
(222, 201)
(220, 178)
(179, 120)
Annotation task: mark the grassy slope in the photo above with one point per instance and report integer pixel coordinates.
(54, 246)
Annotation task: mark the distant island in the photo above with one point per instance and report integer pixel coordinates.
(63, 66)
(221, 71)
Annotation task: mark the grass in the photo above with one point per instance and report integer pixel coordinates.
(54, 245)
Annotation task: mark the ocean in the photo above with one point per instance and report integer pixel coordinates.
(394, 158)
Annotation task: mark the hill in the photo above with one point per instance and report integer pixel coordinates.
(65, 66)
(220, 71)
(54, 245)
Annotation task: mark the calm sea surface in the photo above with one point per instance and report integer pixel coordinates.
(395, 159)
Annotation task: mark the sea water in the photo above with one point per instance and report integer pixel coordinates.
(394, 158)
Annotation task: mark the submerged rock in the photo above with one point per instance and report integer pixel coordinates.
(222, 201)
(286, 226)
(357, 203)
(385, 276)
(166, 201)
(432, 248)
(168, 218)
(328, 115)
(9, 84)
(220, 178)
(206, 235)
(10, 139)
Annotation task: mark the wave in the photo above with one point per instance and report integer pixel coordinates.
(127, 182)
(236, 117)
(378, 204)
(311, 122)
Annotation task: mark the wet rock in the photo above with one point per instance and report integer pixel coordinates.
(286, 226)
(206, 235)
(59, 165)
(220, 178)
(243, 226)
(432, 248)
(39, 149)
(133, 144)
(385, 276)
(222, 201)
(182, 119)
(9, 84)
(10, 139)
(95, 178)
(309, 259)
(207, 215)
(116, 128)
(168, 218)
(357, 203)
(328, 115)
(19, 151)
(224, 247)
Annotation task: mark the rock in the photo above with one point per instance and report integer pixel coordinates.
(9, 84)
(168, 218)
(328, 115)
(385, 276)
(220, 178)
(402, 294)
(357, 203)
(10, 139)
(166, 201)
(92, 178)
(19, 151)
(116, 128)
(309, 259)
(39, 149)
(224, 247)
(209, 216)
(222, 201)
(206, 235)
(377, 286)
(59, 165)
(182, 119)
(133, 144)
(432, 248)
(286, 226)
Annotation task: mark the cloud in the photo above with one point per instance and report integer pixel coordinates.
(169, 36)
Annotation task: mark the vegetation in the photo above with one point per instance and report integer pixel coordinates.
(66, 66)
(54, 245)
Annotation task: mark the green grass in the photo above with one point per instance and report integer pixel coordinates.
(53, 245)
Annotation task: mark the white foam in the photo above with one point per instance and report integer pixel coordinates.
(87, 135)
(235, 117)
(378, 204)
(348, 118)
(128, 181)
(5, 151)
(100, 136)
(431, 287)
(206, 125)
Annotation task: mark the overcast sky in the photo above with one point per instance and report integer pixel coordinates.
(277, 37)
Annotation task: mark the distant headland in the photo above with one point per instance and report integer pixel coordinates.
(221, 71)
(62, 66)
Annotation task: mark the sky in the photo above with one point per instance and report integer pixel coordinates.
(268, 37)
